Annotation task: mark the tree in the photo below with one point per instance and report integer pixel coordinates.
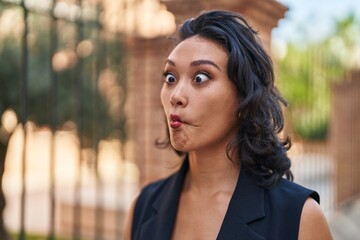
(84, 59)
(306, 72)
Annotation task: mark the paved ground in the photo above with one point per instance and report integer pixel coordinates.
(345, 223)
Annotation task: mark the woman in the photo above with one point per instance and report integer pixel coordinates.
(224, 115)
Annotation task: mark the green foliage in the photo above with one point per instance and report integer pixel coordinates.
(77, 97)
(305, 75)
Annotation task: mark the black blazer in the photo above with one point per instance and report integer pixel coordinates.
(253, 213)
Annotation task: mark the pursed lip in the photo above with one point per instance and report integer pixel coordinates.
(175, 121)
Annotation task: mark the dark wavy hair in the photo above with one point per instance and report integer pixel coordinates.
(260, 115)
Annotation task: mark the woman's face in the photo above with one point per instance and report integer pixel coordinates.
(199, 100)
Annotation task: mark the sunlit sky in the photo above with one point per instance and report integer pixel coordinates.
(312, 19)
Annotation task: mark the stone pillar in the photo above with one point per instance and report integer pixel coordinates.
(184, 9)
(145, 118)
(345, 138)
(263, 15)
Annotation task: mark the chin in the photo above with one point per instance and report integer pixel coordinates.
(179, 146)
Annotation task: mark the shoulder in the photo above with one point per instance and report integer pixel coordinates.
(285, 200)
(312, 213)
(288, 190)
(295, 208)
(128, 221)
(143, 205)
(151, 191)
(284, 203)
(289, 198)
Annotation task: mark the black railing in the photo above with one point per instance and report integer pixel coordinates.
(67, 73)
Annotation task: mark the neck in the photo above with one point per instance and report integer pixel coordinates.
(211, 173)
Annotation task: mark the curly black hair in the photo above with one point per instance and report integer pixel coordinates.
(260, 115)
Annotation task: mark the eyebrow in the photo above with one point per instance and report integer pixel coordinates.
(200, 62)
(170, 62)
(196, 63)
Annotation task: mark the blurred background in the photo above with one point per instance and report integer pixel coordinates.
(80, 109)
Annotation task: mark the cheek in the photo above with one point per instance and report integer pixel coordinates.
(226, 109)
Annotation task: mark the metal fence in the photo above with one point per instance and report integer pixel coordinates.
(61, 73)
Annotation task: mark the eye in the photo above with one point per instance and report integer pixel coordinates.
(201, 77)
(169, 77)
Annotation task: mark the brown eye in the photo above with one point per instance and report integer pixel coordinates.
(169, 78)
(201, 78)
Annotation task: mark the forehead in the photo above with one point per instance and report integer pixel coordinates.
(196, 48)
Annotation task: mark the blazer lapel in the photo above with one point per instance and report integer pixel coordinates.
(165, 208)
(246, 205)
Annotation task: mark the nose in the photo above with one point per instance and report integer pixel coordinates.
(179, 95)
